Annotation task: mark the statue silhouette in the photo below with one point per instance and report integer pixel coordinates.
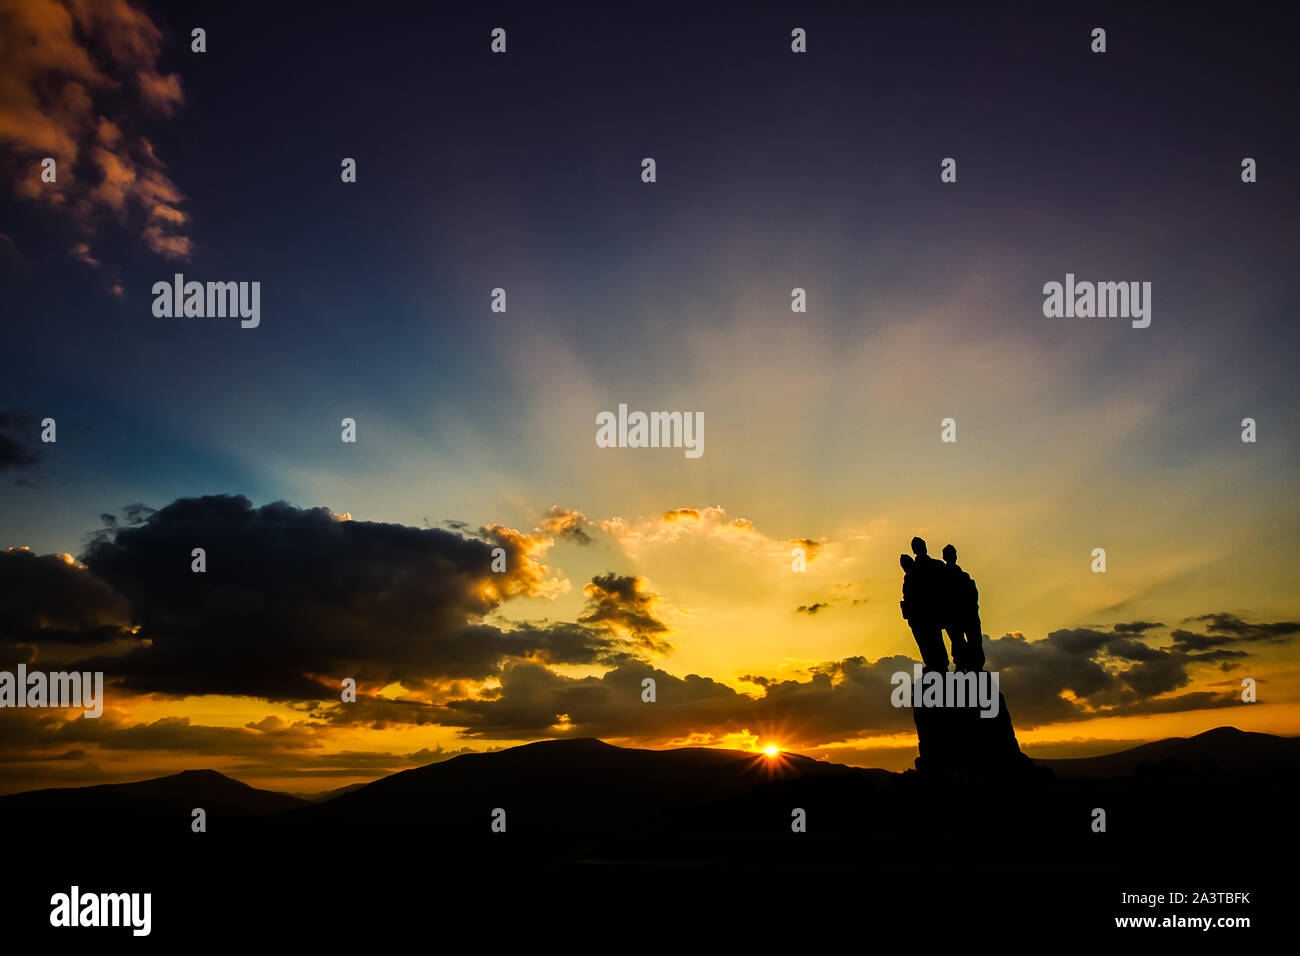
(958, 738)
(961, 614)
(920, 607)
(939, 596)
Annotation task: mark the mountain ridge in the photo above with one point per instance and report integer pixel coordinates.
(1223, 749)
(212, 790)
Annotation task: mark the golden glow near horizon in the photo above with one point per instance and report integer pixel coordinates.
(733, 614)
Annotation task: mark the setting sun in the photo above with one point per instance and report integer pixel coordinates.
(771, 750)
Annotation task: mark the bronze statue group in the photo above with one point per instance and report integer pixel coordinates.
(939, 596)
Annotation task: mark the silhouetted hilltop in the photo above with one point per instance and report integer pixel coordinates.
(578, 784)
(583, 815)
(585, 802)
(178, 794)
(588, 782)
(1223, 750)
(326, 795)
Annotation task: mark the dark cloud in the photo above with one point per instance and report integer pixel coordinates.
(271, 735)
(37, 734)
(840, 700)
(1077, 673)
(1071, 675)
(19, 448)
(1221, 655)
(533, 698)
(1236, 627)
(1196, 700)
(1156, 675)
(842, 597)
(1192, 641)
(844, 699)
(1083, 672)
(1135, 627)
(1225, 630)
(1079, 640)
(294, 600)
(623, 603)
(1133, 650)
(52, 598)
(811, 609)
(374, 712)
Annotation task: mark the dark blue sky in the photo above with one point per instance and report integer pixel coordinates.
(775, 170)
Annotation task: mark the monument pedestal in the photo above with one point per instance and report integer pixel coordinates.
(962, 742)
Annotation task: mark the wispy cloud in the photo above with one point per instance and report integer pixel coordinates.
(711, 522)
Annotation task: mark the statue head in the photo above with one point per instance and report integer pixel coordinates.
(918, 547)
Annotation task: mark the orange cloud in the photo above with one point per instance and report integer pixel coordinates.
(626, 605)
(63, 66)
(567, 523)
(163, 93)
(81, 252)
(525, 575)
(712, 522)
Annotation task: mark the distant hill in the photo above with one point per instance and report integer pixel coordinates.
(180, 793)
(627, 782)
(1224, 750)
(577, 784)
(328, 794)
(588, 821)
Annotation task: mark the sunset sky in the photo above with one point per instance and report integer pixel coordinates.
(476, 429)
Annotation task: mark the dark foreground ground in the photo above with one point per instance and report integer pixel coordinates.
(885, 859)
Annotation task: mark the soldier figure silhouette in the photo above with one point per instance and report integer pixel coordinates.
(961, 608)
(920, 605)
(939, 596)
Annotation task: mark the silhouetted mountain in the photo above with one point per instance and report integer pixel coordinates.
(584, 816)
(162, 797)
(1221, 751)
(578, 784)
(585, 783)
(325, 795)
